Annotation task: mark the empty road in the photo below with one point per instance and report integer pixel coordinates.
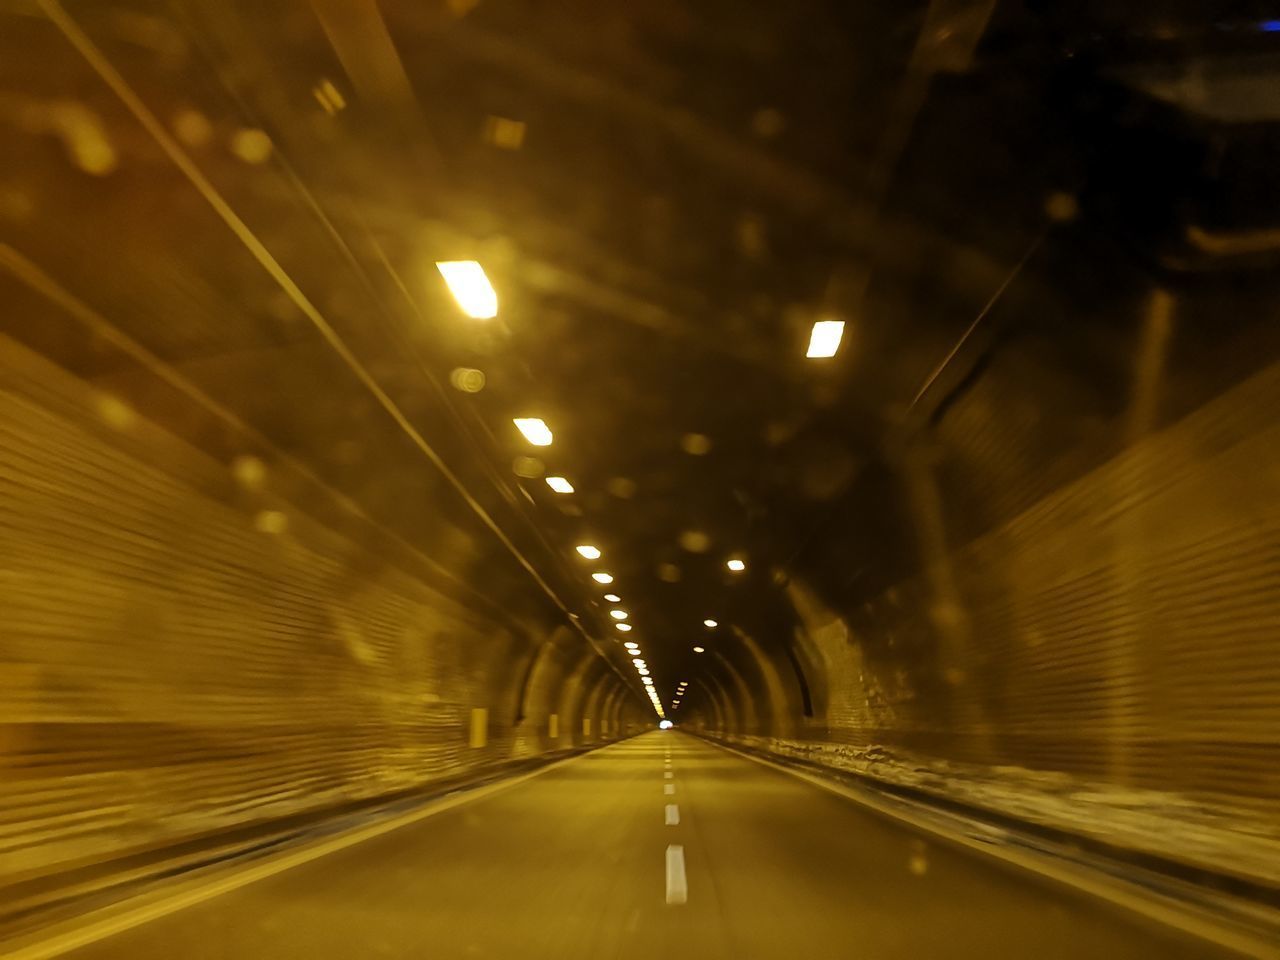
(660, 846)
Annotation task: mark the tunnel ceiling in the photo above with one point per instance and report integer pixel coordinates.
(666, 196)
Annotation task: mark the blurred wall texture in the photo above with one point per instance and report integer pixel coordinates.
(179, 657)
(1105, 663)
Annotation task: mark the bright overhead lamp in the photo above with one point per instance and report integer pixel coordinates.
(559, 485)
(635, 653)
(710, 624)
(618, 614)
(824, 339)
(624, 627)
(535, 430)
(643, 672)
(631, 644)
(602, 578)
(736, 565)
(467, 282)
(699, 649)
(588, 551)
(613, 598)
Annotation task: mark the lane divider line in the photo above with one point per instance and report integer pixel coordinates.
(677, 883)
(668, 775)
(669, 788)
(673, 815)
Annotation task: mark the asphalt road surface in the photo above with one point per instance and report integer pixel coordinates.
(661, 846)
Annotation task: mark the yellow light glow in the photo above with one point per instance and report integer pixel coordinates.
(737, 566)
(467, 282)
(699, 650)
(710, 624)
(602, 578)
(612, 597)
(824, 340)
(624, 627)
(559, 485)
(588, 551)
(535, 430)
(618, 614)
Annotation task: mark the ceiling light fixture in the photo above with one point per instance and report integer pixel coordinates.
(559, 485)
(699, 649)
(624, 627)
(737, 566)
(618, 614)
(631, 645)
(588, 551)
(612, 597)
(535, 430)
(470, 287)
(824, 339)
(710, 624)
(602, 578)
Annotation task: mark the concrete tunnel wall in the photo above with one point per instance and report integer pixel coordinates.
(179, 661)
(173, 664)
(1105, 663)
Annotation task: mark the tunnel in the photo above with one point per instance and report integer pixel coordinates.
(489, 478)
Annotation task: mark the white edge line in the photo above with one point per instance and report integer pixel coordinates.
(677, 883)
(93, 930)
(1080, 878)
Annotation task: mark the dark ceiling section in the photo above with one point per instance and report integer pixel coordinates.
(666, 195)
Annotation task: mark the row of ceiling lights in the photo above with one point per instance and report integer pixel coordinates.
(475, 295)
(539, 434)
(470, 287)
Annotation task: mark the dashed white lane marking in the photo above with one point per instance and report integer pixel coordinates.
(668, 788)
(677, 885)
(668, 775)
(673, 815)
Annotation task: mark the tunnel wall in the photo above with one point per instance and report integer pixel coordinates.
(173, 664)
(1105, 663)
